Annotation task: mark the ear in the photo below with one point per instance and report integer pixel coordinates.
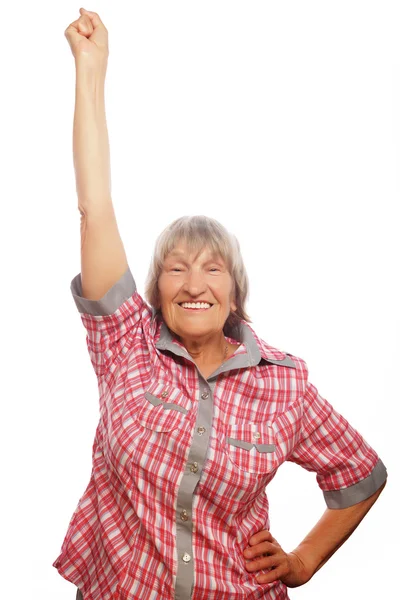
(232, 298)
(233, 306)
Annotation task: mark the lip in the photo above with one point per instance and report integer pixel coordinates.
(195, 310)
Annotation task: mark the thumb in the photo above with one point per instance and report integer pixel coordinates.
(99, 35)
(78, 29)
(93, 16)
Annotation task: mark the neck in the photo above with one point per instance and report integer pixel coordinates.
(210, 349)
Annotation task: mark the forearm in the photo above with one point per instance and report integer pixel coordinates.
(90, 140)
(331, 531)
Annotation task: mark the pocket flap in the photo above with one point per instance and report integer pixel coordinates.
(155, 401)
(164, 407)
(251, 446)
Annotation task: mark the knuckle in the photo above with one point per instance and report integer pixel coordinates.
(268, 563)
(283, 570)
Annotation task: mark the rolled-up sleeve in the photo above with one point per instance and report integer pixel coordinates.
(110, 322)
(348, 469)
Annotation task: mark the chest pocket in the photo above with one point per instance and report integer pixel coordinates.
(262, 447)
(252, 446)
(163, 407)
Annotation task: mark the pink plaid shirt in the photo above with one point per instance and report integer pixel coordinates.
(180, 463)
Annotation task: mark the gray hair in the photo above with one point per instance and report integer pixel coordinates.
(198, 232)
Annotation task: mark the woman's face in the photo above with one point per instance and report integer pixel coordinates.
(187, 278)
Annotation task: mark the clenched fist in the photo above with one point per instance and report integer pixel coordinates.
(88, 39)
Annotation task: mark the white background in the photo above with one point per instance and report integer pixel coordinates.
(282, 121)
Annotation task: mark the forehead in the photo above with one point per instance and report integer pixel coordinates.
(182, 250)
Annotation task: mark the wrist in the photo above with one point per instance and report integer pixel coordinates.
(86, 71)
(299, 573)
(90, 86)
(308, 557)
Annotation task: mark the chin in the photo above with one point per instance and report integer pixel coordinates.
(194, 332)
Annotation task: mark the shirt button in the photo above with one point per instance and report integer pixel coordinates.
(164, 394)
(256, 435)
(186, 557)
(194, 467)
(201, 430)
(205, 395)
(184, 515)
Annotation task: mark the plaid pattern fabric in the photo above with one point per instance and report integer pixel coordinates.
(180, 464)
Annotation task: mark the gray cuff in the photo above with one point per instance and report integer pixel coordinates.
(359, 491)
(112, 299)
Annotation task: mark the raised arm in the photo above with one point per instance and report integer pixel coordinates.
(103, 258)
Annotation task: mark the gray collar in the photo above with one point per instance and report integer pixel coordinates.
(257, 351)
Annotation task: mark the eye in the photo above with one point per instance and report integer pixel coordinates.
(177, 269)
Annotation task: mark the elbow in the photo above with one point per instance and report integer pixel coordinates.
(380, 489)
(370, 501)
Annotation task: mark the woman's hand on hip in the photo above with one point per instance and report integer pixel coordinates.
(264, 552)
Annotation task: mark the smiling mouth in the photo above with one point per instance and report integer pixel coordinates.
(195, 306)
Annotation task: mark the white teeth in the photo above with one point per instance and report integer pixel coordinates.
(195, 305)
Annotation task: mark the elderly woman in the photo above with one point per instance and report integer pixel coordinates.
(197, 412)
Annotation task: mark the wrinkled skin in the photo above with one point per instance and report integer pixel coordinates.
(287, 567)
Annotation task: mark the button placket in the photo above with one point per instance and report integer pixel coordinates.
(185, 528)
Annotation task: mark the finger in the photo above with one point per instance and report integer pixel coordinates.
(263, 548)
(266, 562)
(274, 574)
(270, 577)
(82, 21)
(93, 16)
(260, 536)
(273, 540)
(72, 31)
(85, 24)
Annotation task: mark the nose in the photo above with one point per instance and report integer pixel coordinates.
(195, 283)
